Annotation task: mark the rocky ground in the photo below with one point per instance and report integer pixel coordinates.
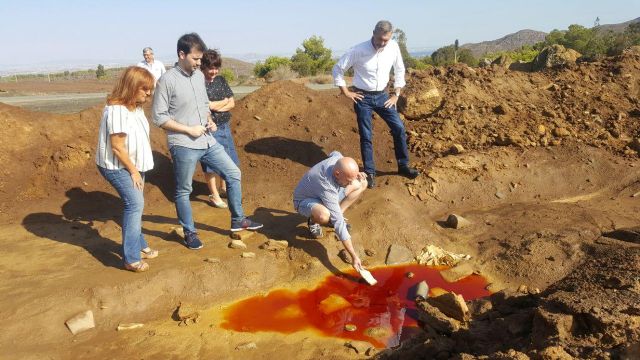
(543, 165)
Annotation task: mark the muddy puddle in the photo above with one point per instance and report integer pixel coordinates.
(348, 308)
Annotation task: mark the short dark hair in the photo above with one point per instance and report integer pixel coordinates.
(190, 42)
(211, 59)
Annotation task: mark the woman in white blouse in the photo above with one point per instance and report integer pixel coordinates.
(124, 156)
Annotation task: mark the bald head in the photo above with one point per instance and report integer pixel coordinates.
(346, 170)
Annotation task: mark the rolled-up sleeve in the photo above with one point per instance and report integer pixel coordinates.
(345, 62)
(398, 70)
(330, 201)
(160, 108)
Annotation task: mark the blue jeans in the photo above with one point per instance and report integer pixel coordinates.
(224, 137)
(215, 158)
(132, 239)
(364, 111)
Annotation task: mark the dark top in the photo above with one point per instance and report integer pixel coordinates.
(217, 90)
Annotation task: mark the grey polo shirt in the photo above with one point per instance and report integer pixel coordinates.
(183, 98)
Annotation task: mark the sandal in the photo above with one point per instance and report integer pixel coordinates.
(149, 253)
(139, 266)
(218, 204)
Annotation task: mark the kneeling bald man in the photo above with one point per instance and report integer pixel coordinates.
(325, 192)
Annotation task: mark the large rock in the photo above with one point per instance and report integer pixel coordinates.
(436, 319)
(421, 98)
(398, 254)
(452, 305)
(554, 55)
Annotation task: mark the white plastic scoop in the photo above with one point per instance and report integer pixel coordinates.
(366, 275)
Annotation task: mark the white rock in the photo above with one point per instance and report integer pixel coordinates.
(81, 322)
(237, 244)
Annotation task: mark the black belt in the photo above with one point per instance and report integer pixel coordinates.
(368, 92)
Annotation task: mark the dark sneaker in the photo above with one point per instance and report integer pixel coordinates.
(408, 172)
(192, 241)
(245, 224)
(315, 229)
(371, 181)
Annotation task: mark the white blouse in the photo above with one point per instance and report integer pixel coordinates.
(118, 119)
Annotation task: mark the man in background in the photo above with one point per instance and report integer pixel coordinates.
(155, 67)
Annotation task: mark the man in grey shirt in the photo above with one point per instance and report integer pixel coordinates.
(181, 108)
(325, 192)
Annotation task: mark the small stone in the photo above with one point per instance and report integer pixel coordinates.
(523, 289)
(456, 149)
(500, 195)
(257, 117)
(457, 222)
(237, 244)
(561, 132)
(129, 326)
(456, 273)
(248, 255)
(247, 346)
(542, 130)
(85, 183)
(81, 322)
(275, 245)
(350, 327)
(242, 235)
(410, 275)
(212, 260)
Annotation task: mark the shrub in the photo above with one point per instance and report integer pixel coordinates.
(228, 74)
(270, 63)
(282, 72)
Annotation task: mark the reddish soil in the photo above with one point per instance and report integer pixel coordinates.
(539, 204)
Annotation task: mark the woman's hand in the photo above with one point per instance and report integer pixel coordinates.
(138, 183)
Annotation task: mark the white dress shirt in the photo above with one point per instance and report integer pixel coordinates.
(371, 67)
(157, 68)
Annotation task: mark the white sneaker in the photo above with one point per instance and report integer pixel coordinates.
(315, 229)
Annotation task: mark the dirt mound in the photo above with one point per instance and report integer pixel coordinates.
(593, 103)
(48, 154)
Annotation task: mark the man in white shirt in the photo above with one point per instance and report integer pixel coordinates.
(155, 67)
(372, 61)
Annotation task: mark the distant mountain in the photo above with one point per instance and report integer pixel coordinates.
(618, 27)
(510, 42)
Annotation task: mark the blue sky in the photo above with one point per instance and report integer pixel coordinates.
(36, 32)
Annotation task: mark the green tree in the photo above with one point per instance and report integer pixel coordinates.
(447, 56)
(313, 58)
(270, 63)
(100, 73)
(228, 74)
(401, 38)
